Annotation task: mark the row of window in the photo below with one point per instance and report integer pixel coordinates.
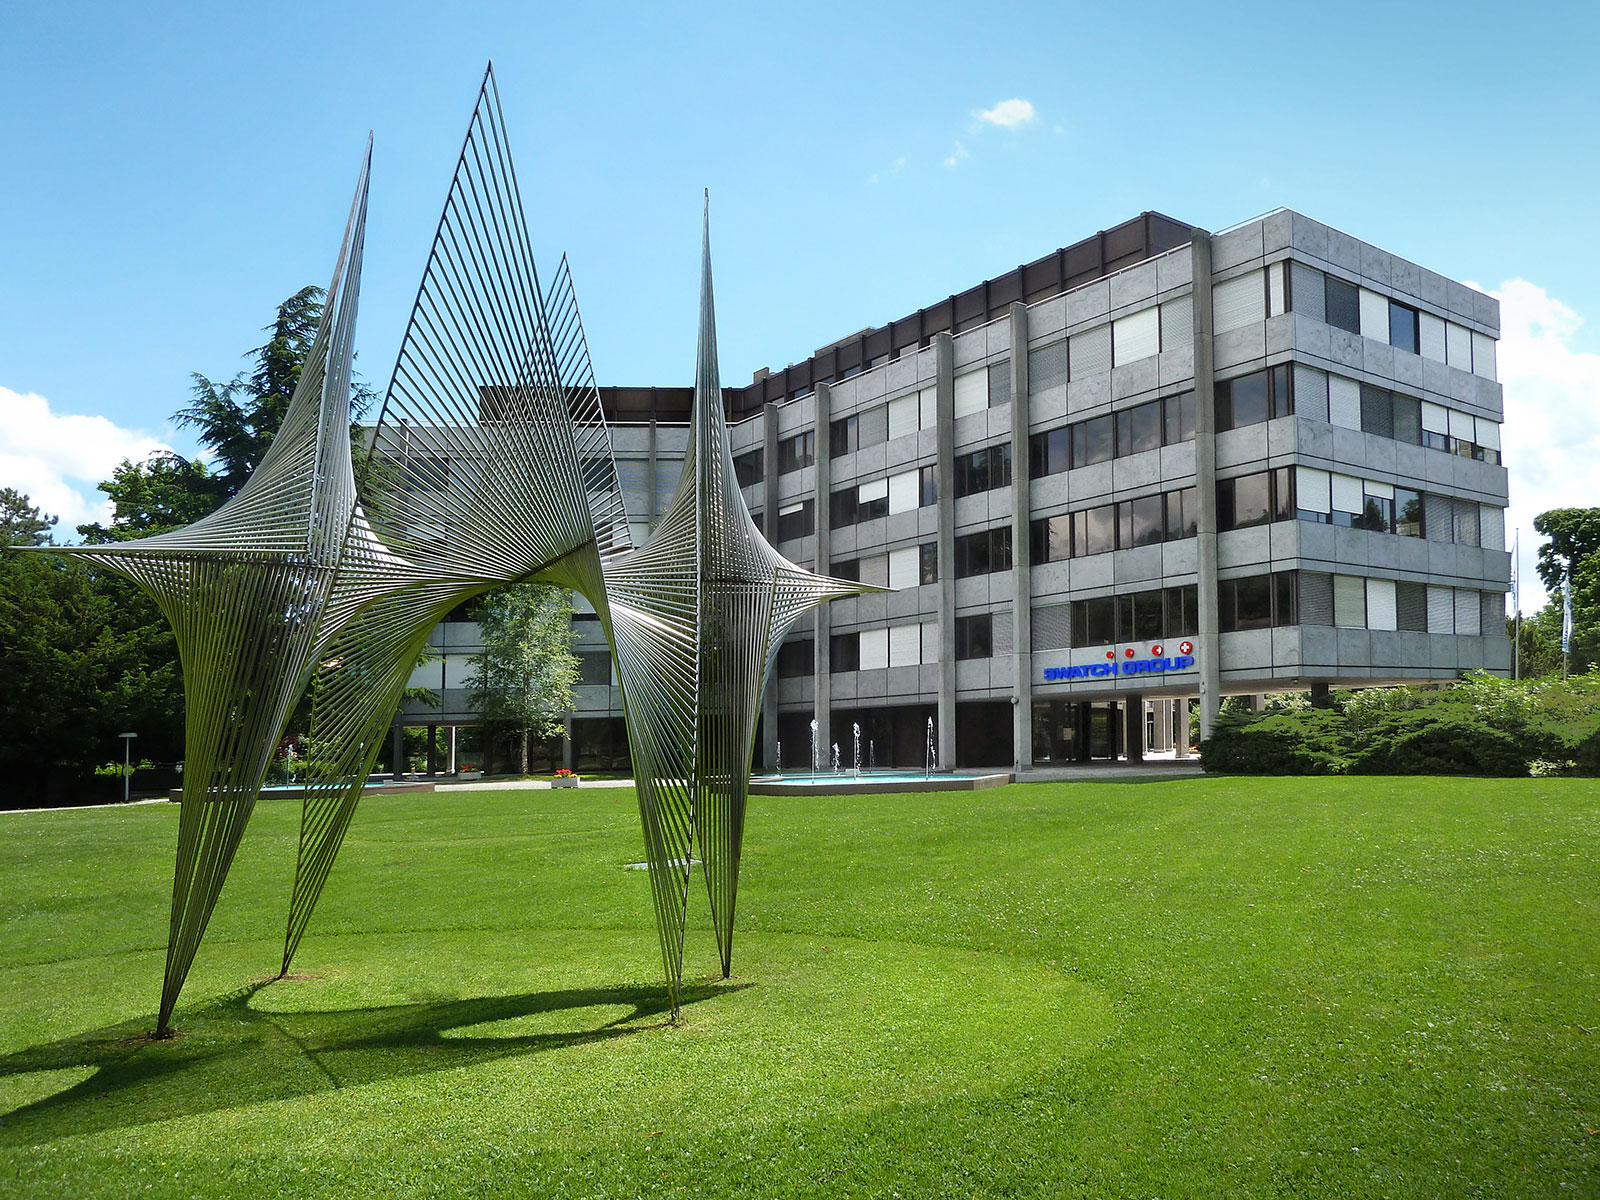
(907, 490)
(1295, 287)
(1156, 423)
(1147, 616)
(984, 552)
(1146, 521)
(905, 567)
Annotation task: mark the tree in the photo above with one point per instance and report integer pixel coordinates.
(21, 523)
(164, 492)
(1572, 553)
(522, 682)
(1574, 535)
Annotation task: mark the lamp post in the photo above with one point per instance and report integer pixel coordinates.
(127, 741)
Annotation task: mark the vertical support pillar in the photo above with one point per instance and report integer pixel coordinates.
(1319, 693)
(1208, 643)
(652, 491)
(1021, 548)
(1133, 727)
(769, 523)
(566, 742)
(822, 473)
(450, 760)
(1085, 720)
(433, 752)
(944, 348)
(397, 748)
(1180, 748)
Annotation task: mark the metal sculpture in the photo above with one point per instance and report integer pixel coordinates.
(490, 464)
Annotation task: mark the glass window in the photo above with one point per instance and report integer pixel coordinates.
(844, 652)
(1283, 494)
(844, 435)
(1179, 418)
(1377, 514)
(1182, 514)
(594, 667)
(1242, 401)
(1141, 522)
(975, 636)
(1000, 552)
(972, 554)
(1139, 429)
(1093, 441)
(1407, 419)
(1139, 617)
(1051, 538)
(1247, 603)
(1408, 513)
(1244, 501)
(747, 468)
(927, 486)
(1343, 304)
(1282, 390)
(796, 452)
(1283, 598)
(845, 568)
(1048, 452)
(868, 510)
(1402, 327)
(842, 508)
(1094, 621)
(1094, 530)
(928, 562)
(796, 520)
(796, 658)
(1182, 611)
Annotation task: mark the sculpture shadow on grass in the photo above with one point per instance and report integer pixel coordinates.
(231, 1055)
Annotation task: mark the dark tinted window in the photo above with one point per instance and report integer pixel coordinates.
(1139, 429)
(798, 522)
(1343, 304)
(796, 452)
(844, 435)
(1141, 522)
(1407, 419)
(1094, 530)
(845, 568)
(796, 658)
(747, 468)
(1402, 327)
(844, 652)
(975, 636)
(1183, 611)
(1244, 501)
(1051, 538)
(983, 470)
(1408, 513)
(1283, 494)
(1094, 621)
(927, 486)
(1242, 401)
(842, 508)
(928, 562)
(1179, 418)
(1282, 390)
(1093, 441)
(1377, 411)
(1182, 514)
(1048, 452)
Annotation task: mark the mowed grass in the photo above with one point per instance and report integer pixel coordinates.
(1197, 987)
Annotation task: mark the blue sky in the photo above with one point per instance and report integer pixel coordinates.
(174, 171)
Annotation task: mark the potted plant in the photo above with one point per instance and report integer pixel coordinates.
(468, 771)
(564, 778)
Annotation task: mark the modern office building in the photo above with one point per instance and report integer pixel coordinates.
(1154, 467)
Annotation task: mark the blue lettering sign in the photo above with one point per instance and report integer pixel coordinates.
(1129, 666)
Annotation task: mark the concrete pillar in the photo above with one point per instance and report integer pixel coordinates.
(1161, 724)
(433, 757)
(1021, 548)
(1133, 727)
(654, 501)
(1208, 642)
(1319, 694)
(822, 684)
(945, 409)
(450, 763)
(1085, 724)
(1181, 749)
(566, 742)
(397, 748)
(769, 522)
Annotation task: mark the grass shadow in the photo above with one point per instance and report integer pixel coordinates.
(230, 1054)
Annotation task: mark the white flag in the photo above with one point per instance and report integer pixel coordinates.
(1566, 614)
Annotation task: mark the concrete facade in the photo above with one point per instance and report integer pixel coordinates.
(1362, 583)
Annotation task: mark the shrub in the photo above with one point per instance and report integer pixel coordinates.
(1441, 740)
(1304, 741)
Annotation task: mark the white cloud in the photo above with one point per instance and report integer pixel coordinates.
(57, 459)
(1551, 436)
(1008, 114)
(956, 155)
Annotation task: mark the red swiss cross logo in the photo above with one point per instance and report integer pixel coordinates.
(1156, 649)
(1185, 647)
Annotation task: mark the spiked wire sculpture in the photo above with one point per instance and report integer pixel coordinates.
(490, 464)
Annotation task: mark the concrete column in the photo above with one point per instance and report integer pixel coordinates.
(1161, 724)
(769, 522)
(566, 742)
(1208, 642)
(654, 501)
(822, 683)
(397, 748)
(1319, 693)
(1021, 548)
(1133, 727)
(450, 762)
(945, 409)
(1181, 748)
(1084, 725)
(433, 757)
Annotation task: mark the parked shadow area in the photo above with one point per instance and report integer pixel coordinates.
(230, 1054)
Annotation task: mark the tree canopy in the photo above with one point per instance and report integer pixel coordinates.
(522, 682)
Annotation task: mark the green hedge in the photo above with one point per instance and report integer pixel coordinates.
(1480, 726)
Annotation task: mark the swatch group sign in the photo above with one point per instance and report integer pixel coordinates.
(1153, 662)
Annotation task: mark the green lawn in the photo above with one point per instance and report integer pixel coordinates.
(1198, 987)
